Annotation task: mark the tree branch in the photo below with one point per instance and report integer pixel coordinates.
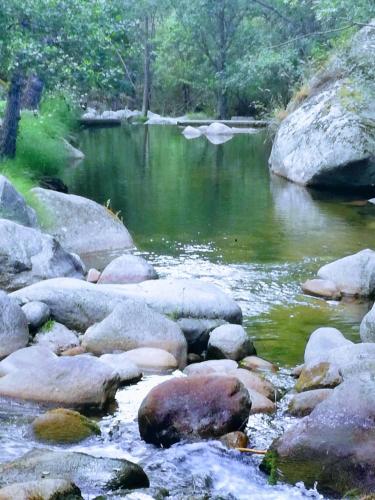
(272, 9)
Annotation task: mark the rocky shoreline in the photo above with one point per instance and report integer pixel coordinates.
(70, 337)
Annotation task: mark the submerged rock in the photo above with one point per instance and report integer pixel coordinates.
(352, 275)
(131, 325)
(329, 139)
(91, 474)
(334, 446)
(321, 288)
(81, 225)
(303, 404)
(78, 381)
(36, 314)
(230, 342)
(56, 337)
(193, 408)
(127, 269)
(63, 426)
(234, 440)
(28, 256)
(42, 489)
(13, 205)
(14, 333)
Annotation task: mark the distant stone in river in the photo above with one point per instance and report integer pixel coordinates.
(14, 332)
(62, 426)
(127, 269)
(29, 256)
(193, 408)
(230, 342)
(82, 225)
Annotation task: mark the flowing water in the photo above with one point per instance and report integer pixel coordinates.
(214, 212)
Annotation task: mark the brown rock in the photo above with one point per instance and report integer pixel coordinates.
(192, 408)
(320, 376)
(260, 404)
(256, 364)
(303, 404)
(255, 382)
(321, 288)
(236, 439)
(74, 351)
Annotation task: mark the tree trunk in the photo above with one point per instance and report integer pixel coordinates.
(147, 70)
(222, 98)
(222, 103)
(12, 116)
(32, 94)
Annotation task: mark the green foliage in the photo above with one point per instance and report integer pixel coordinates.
(48, 325)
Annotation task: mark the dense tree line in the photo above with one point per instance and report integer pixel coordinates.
(219, 57)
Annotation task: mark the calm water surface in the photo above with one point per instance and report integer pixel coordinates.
(214, 212)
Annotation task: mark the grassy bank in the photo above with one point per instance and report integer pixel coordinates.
(40, 148)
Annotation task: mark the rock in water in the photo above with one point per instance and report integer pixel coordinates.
(42, 489)
(81, 225)
(90, 474)
(303, 404)
(212, 367)
(13, 206)
(152, 359)
(329, 139)
(322, 341)
(36, 313)
(230, 342)
(28, 256)
(63, 426)
(14, 333)
(124, 367)
(321, 288)
(334, 445)
(56, 337)
(132, 325)
(193, 408)
(367, 328)
(127, 269)
(352, 275)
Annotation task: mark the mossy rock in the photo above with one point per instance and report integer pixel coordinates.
(320, 376)
(64, 426)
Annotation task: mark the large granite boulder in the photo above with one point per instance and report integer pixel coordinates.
(90, 474)
(334, 446)
(131, 325)
(13, 205)
(352, 275)
(329, 139)
(73, 382)
(78, 304)
(127, 269)
(14, 332)
(81, 225)
(323, 340)
(28, 256)
(193, 408)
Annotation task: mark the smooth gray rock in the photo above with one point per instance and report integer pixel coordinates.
(152, 359)
(25, 358)
(303, 404)
(81, 225)
(367, 328)
(78, 304)
(230, 342)
(329, 140)
(13, 205)
(28, 256)
(134, 324)
(197, 332)
(46, 489)
(37, 313)
(57, 338)
(338, 431)
(321, 341)
(127, 269)
(214, 366)
(14, 333)
(90, 474)
(126, 369)
(78, 381)
(352, 275)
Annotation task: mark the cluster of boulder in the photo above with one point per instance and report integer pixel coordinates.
(216, 132)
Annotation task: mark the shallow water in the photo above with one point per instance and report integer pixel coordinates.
(214, 212)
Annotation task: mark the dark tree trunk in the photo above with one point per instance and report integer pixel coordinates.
(222, 104)
(222, 99)
(147, 69)
(32, 93)
(12, 116)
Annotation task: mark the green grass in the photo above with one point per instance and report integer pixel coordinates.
(198, 115)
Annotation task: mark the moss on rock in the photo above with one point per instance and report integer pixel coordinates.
(64, 426)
